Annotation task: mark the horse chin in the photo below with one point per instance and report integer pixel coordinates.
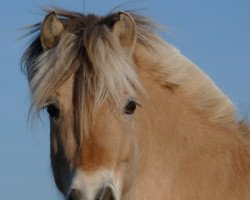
(98, 185)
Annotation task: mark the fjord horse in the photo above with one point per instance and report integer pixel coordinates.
(131, 118)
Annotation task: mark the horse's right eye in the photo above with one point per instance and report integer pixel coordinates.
(53, 111)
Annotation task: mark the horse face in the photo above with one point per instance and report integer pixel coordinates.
(90, 153)
(96, 166)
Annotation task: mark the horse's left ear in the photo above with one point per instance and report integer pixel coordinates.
(51, 31)
(125, 29)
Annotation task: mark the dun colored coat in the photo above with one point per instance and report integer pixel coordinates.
(132, 118)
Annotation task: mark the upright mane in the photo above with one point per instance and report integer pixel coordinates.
(90, 53)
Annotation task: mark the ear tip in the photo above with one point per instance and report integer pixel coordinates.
(50, 15)
(123, 13)
(126, 16)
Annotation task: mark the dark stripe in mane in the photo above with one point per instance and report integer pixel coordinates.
(90, 53)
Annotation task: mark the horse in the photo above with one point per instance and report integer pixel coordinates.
(131, 118)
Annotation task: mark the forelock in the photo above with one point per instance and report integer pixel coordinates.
(92, 55)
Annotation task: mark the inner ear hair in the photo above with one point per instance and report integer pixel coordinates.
(125, 29)
(51, 31)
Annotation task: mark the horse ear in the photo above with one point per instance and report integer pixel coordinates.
(125, 29)
(51, 31)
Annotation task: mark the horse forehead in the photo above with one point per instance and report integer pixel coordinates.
(65, 91)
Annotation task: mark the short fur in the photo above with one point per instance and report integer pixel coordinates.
(177, 97)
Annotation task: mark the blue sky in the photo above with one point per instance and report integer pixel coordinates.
(213, 34)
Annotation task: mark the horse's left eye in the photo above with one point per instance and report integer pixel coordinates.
(130, 107)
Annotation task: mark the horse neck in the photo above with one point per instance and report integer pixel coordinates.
(173, 122)
(169, 68)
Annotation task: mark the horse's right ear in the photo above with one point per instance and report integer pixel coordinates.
(51, 31)
(125, 29)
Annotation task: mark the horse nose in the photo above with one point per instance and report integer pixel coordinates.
(106, 193)
(75, 195)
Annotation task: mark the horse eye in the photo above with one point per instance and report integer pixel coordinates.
(130, 107)
(53, 111)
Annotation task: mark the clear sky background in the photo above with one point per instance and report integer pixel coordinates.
(214, 34)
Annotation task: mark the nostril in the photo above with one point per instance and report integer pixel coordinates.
(106, 193)
(75, 195)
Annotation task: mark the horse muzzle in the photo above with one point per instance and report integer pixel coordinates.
(93, 186)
